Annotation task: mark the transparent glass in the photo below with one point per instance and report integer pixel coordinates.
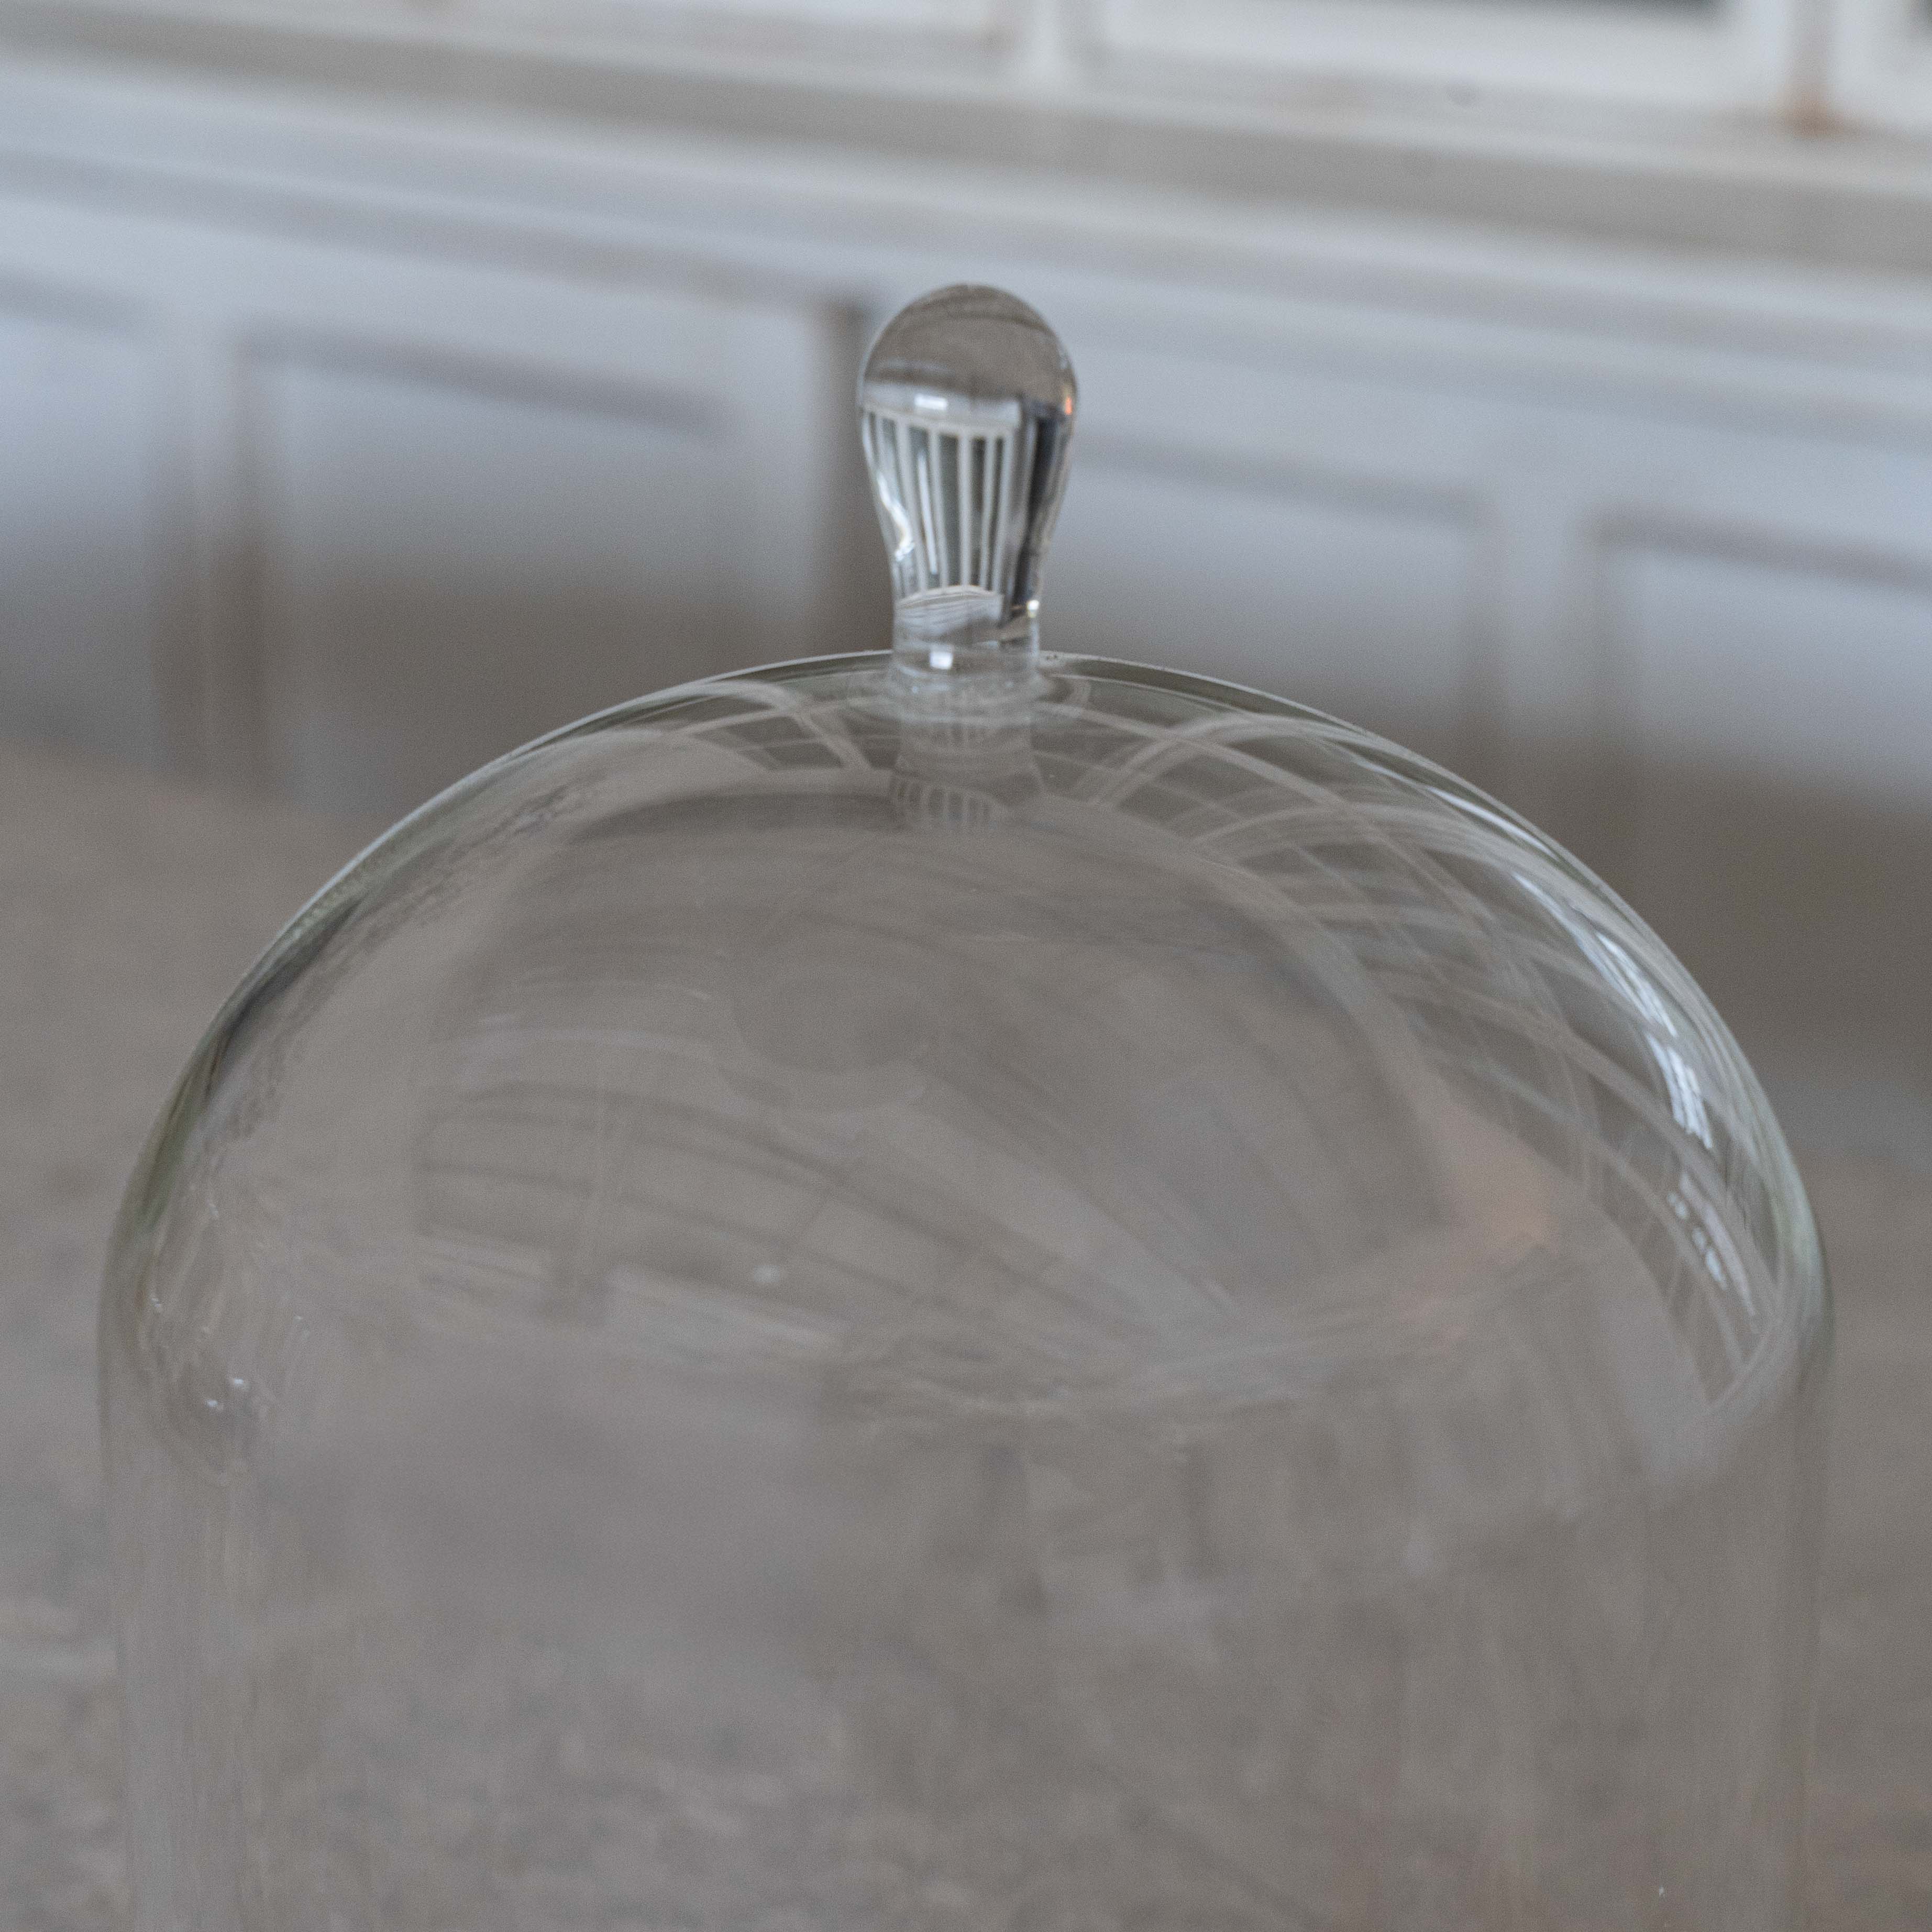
(1074, 1300)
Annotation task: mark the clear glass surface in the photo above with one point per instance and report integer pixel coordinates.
(1083, 1301)
(769, 1318)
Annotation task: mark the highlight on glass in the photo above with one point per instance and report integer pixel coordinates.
(965, 1287)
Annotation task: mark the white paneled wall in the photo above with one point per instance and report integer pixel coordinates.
(79, 603)
(347, 522)
(341, 497)
(493, 508)
(1815, 669)
(1521, 566)
(416, 607)
(350, 442)
(1182, 561)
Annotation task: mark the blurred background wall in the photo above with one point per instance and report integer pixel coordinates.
(1548, 384)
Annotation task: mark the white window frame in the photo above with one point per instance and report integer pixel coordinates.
(1741, 58)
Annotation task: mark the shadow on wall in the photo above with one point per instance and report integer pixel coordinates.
(383, 692)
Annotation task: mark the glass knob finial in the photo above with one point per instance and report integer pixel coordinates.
(966, 407)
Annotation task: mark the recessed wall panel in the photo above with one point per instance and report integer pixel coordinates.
(79, 612)
(1355, 602)
(1809, 668)
(1770, 803)
(455, 559)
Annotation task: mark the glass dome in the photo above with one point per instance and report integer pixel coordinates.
(965, 1288)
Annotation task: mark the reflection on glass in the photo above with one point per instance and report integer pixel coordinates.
(958, 1289)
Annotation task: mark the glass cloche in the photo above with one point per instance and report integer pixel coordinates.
(965, 1291)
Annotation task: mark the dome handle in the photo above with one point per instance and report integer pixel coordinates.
(966, 409)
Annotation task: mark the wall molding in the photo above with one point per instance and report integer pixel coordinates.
(1734, 188)
(1762, 336)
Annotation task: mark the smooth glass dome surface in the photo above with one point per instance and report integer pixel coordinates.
(1098, 1303)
